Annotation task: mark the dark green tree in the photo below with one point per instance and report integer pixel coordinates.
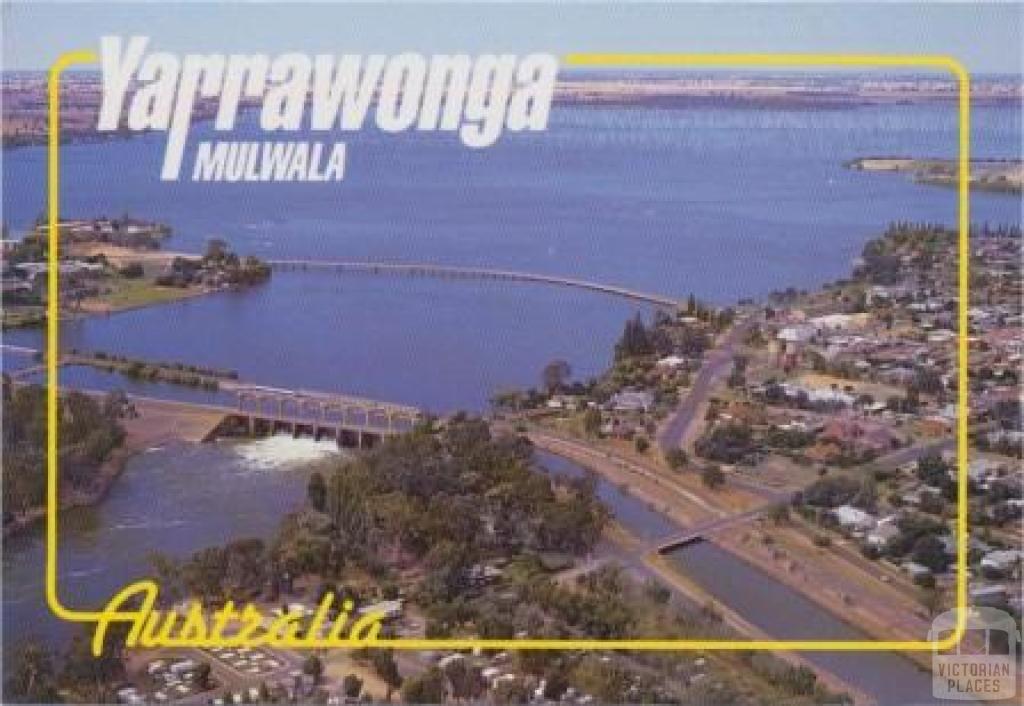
(316, 492)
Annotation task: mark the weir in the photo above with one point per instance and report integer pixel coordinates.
(353, 422)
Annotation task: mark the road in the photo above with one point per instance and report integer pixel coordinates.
(913, 453)
(717, 364)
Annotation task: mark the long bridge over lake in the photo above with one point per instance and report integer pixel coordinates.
(479, 273)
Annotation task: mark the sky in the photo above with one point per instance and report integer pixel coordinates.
(986, 37)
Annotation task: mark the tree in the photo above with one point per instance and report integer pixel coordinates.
(931, 552)
(90, 677)
(676, 459)
(425, 688)
(779, 513)
(352, 686)
(933, 470)
(592, 421)
(738, 377)
(726, 443)
(867, 496)
(384, 666)
(555, 375)
(831, 491)
(465, 680)
(511, 691)
(313, 667)
(712, 477)
(933, 600)
(316, 492)
(555, 683)
(31, 677)
(635, 340)
(216, 249)
(202, 676)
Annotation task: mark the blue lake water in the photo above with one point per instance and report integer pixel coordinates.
(723, 202)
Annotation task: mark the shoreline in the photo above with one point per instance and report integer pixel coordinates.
(158, 423)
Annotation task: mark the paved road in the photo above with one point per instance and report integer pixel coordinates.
(913, 453)
(717, 365)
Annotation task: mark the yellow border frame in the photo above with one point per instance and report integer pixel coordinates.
(592, 60)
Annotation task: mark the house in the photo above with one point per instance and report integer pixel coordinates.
(632, 401)
(563, 402)
(853, 518)
(884, 530)
(1002, 563)
(916, 570)
(860, 437)
(990, 595)
(839, 322)
(389, 610)
(671, 362)
(451, 659)
(187, 665)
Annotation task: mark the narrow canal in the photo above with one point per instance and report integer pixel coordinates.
(772, 606)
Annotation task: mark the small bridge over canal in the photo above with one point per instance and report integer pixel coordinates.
(700, 532)
(453, 272)
(353, 422)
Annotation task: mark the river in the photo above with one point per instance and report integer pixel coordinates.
(719, 201)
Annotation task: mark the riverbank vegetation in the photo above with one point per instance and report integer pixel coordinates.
(90, 432)
(437, 502)
(175, 373)
(36, 674)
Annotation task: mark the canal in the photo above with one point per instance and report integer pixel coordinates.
(772, 606)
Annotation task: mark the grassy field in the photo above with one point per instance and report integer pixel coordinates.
(126, 293)
(23, 317)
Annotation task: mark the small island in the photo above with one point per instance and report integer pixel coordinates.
(995, 175)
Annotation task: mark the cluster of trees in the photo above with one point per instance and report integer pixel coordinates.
(831, 491)
(174, 373)
(880, 264)
(218, 261)
(449, 499)
(89, 433)
(668, 334)
(726, 443)
(920, 538)
(240, 570)
(443, 500)
(636, 340)
(36, 674)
